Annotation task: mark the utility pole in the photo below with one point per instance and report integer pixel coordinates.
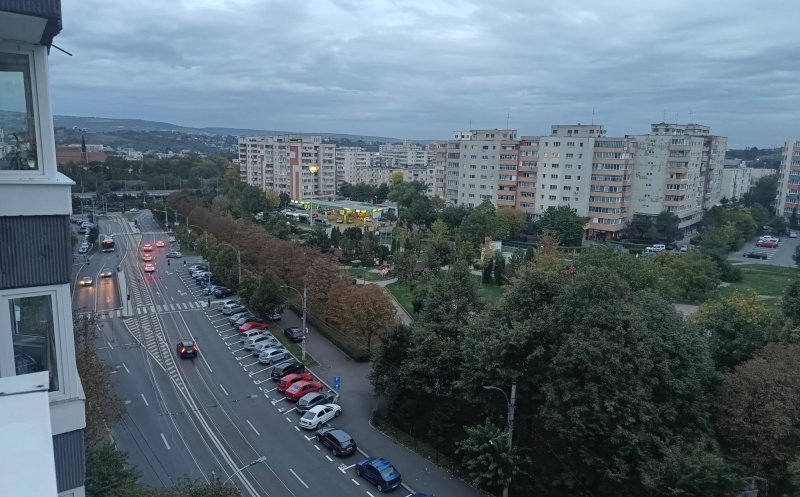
(305, 330)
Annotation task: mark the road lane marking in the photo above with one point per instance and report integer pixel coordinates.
(316, 446)
(354, 481)
(290, 410)
(272, 390)
(298, 478)
(370, 495)
(207, 364)
(126, 368)
(297, 428)
(223, 389)
(288, 419)
(245, 366)
(110, 346)
(344, 468)
(145, 400)
(253, 427)
(259, 371)
(165, 441)
(237, 350)
(329, 458)
(243, 357)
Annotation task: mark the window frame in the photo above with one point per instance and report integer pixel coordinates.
(63, 341)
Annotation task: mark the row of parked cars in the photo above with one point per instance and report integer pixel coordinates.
(203, 277)
(317, 405)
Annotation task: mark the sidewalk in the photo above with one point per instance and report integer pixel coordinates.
(359, 402)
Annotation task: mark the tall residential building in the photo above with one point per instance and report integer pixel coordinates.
(348, 162)
(404, 154)
(527, 170)
(678, 168)
(472, 166)
(610, 187)
(788, 197)
(41, 398)
(736, 179)
(281, 164)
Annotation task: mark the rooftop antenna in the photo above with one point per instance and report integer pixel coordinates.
(508, 116)
(470, 124)
(676, 118)
(690, 117)
(592, 115)
(664, 118)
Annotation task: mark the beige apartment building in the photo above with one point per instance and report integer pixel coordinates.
(736, 179)
(678, 168)
(281, 164)
(404, 154)
(349, 163)
(788, 196)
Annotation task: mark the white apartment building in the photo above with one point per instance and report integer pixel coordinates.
(736, 179)
(473, 164)
(374, 175)
(678, 168)
(281, 164)
(42, 416)
(788, 195)
(404, 154)
(349, 160)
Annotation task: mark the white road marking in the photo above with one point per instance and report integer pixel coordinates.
(259, 371)
(251, 364)
(126, 368)
(344, 468)
(298, 478)
(297, 428)
(165, 441)
(110, 346)
(207, 364)
(310, 438)
(354, 481)
(145, 400)
(290, 410)
(329, 458)
(223, 389)
(288, 419)
(370, 495)
(253, 427)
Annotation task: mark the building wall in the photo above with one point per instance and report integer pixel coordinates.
(404, 154)
(736, 181)
(472, 165)
(788, 195)
(348, 161)
(609, 207)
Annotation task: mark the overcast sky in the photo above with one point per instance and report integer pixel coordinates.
(421, 69)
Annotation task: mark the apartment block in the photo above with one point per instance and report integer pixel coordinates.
(678, 168)
(736, 179)
(42, 417)
(788, 196)
(472, 166)
(373, 175)
(527, 170)
(404, 154)
(349, 160)
(281, 164)
(610, 187)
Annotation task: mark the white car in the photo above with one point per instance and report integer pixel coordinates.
(271, 355)
(792, 234)
(318, 415)
(134, 209)
(171, 239)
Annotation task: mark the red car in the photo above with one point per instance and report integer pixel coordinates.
(767, 243)
(289, 379)
(253, 325)
(147, 248)
(301, 388)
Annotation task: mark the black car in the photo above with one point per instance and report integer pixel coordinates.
(223, 291)
(756, 254)
(285, 368)
(310, 400)
(187, 349)
(338, 441)
(293, 333)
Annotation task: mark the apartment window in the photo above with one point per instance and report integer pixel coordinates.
(32, 338)
(565, 199)
(552, 197)
(553, 176)
(567, 176)
(567, 188)
(554, 187)
(570, 156)
(16, 103)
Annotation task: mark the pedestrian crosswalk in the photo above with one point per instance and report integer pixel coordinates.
(153, 309)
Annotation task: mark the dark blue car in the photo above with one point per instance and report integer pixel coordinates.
(379, 472)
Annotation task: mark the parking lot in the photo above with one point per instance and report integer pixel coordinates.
(779, 256)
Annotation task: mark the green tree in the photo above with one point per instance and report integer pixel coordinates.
(790, 303)
(319, 238)
(793, 219)
(499, 269)
(488, 269)
(564, 221)
(452, 215)
(285, 199)
(488, 461)
(760, 214)
(666, 223)
(336, 236)
(757, 414)
(267, 295)
(388, 361)
(480, 223)
(406, 192)
(691, 275)
(107, 471)
(762, 192)
(438, 246)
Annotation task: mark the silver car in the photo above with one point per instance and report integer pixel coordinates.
(263, 345)
(273, 355)
(238, 316)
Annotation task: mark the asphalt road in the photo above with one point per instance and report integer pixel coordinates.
(219, 412)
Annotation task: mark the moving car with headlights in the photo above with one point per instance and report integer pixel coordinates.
(149, 267)
(319, 415)
(338, 441)
(160, 243)
(187, 349)
(86, 281)
(106, 273)
(147, 247)
(147, 257)
(297, 390)
(174, 255)
(379, 472)
(289, 379)
(313, 399)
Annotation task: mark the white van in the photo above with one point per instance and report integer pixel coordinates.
(659, 247)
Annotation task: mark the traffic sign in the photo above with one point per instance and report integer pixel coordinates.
(337, 383)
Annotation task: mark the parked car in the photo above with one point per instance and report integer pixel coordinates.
(275, 316)
(242, 321)
(251, 342)
(231, 309)
(767, 243)
(239, 315)
(106, 273)
(756, 254)
(172, 239)
(271, 355)
(322, 222)
(270, 343)
(290, 379)
(86, 281)
(379, 472)
(253, 325)
(83, 249)
(220, 303)
(187, 349)
(293, 333)
(284, 368)
(247, 335)
(792, 234)
(300, 388)
(319, 415)
(310, 400)
(684, 248)
(338, 441)
(223, 291)
(197, 267)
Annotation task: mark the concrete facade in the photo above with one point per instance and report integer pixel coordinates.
(349, 160)
(404, 154)
(736, 179)
(788, 195)
(472, 165)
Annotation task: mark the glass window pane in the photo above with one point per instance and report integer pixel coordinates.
(17, 133)
(34, 336)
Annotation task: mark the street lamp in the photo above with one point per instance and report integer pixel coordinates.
(509, 420)
(313, 169)
(305, 330)
(251, 463)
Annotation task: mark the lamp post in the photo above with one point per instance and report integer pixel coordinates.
(251, 463)
(509, 420)
(305, 330)
(313, 169)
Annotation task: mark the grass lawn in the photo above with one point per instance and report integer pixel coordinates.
(767, 281)
(358, 273)
(402, 293)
